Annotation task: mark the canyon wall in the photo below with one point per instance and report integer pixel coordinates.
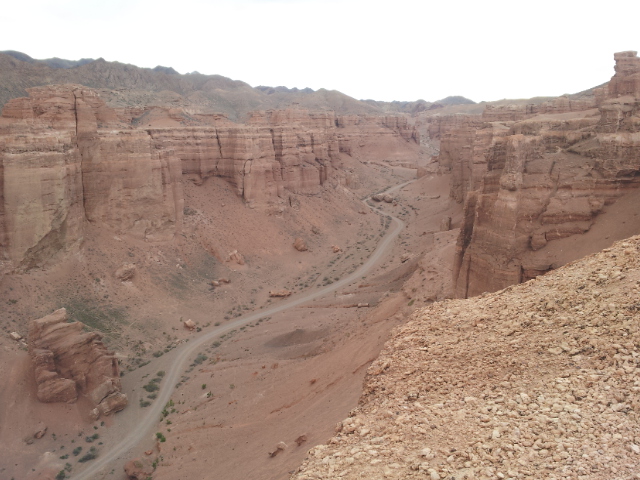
(67, 159)
(529, 177)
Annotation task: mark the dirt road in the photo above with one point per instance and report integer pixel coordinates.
(141, 429)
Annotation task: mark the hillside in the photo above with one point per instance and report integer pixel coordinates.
(143, 87)
(535, 381)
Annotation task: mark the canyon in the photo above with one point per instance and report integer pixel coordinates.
(174, 224)
(539, 182)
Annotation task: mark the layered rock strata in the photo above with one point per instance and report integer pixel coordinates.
(67, 159)
(281, 152)
(69, 361)
(543, 177)
(536, 381)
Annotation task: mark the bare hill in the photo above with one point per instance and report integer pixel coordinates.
(143, 86)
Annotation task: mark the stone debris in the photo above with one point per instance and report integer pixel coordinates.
(236, 257)
(539, 380)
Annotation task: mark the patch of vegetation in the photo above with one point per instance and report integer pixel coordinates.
(199, 359)
(151, 387)
(90, 455)
(161, 437)
(76, 451)
(95, 314)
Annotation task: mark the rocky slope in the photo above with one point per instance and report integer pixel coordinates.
(531, 175)
(68, 361)
(536, 381)
(66, 158)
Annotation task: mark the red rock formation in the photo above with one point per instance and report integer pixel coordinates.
(279, 151)
(626, 81)
(69, 361)
(65, 160)
(541, 178)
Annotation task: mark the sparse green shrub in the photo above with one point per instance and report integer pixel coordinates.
(90, 455)
(151, 387)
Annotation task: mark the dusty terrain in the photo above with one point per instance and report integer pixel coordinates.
(535, 381)
(314, 356)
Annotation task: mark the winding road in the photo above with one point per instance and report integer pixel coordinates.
(142, 429)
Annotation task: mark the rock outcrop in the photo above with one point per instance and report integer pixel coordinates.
(531, 176)
(65, 160)
(69, 361)
(536, 381)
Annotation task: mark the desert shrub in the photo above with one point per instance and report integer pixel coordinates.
(90, 455)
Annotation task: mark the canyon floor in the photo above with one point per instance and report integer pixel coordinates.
(284, 378)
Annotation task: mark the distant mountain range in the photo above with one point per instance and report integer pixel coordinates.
(163, 86)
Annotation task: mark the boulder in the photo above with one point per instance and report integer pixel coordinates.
(139, 469)
(41, 429)
(126, 272)
(445, 224)
(279, 293)
(336, 249)
(189, 324)
(300, 245)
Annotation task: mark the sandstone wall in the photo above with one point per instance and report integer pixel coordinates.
(67, 159)
(539, 175)
(281, 151)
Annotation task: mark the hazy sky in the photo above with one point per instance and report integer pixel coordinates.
(385, 50)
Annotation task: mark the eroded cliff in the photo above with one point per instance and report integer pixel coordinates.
(530, 176)
(66, 159)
